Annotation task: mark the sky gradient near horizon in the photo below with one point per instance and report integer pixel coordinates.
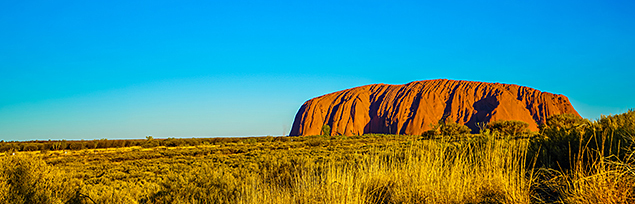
(127, 69)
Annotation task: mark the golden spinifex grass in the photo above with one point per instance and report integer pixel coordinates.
(596, 178)
(603, 182)
(370, 169)
(423, 172)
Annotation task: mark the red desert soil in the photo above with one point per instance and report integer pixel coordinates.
(411, 108)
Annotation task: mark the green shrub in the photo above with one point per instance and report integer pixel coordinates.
(560, 141)
(6, 147)
(509, 127)
(104, 143)
(171, 142)
(25, 179)
(453, 129)
(30, 147)
(621, 128)
(593, 161)
(150, 144)
(60, 145)
(76, 145)
(563, 122)
(314, 142)
(326, 130)
(568, 139)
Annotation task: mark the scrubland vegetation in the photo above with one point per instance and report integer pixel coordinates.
(571, 160)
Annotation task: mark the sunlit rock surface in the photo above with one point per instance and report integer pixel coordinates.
(412, 108)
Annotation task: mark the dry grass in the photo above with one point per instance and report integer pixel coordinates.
(425, 172)
(373, 169)
(598, 179)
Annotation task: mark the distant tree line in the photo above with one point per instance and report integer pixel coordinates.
(54, 145)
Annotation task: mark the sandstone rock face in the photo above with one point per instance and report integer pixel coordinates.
(411, 108)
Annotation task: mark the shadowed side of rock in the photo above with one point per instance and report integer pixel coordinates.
(414, 107)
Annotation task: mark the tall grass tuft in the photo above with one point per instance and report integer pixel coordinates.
(598, 178)
(588, 162)
(25, 179)
(477, 171)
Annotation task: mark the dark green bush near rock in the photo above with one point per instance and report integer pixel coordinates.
(568, 139)
(509, 127)
(453, 129)
(326, 130)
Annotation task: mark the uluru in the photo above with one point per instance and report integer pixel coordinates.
(411, 108)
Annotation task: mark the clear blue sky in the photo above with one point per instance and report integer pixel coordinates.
(127, 69)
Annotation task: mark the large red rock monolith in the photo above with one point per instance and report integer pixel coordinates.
(411, 108)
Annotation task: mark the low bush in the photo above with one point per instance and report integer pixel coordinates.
(509, 127)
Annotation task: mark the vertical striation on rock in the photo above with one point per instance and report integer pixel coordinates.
(411, 108)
